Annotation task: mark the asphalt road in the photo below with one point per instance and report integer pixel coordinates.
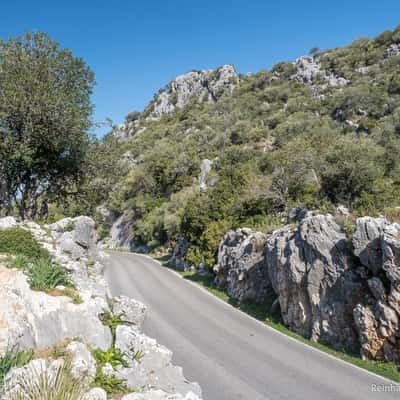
(231, 355)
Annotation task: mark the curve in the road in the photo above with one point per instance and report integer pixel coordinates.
(231, 355)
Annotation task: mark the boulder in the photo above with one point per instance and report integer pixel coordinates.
(177, 259)
(84, 233)
(310, 272)
(241, 268)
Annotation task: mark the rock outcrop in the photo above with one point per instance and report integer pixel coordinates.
(392, 51)
(121, 235)
(206, 85)
(200, 86)
(377, 242)
(310, 272)
(331, 290)
(41, 320)
(241, 268)
(309, 71)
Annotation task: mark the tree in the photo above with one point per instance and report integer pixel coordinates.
(45, 117)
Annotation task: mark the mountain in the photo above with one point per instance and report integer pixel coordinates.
(216, 150)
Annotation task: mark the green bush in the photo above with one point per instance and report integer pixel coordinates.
(44, 275)
(19, 241)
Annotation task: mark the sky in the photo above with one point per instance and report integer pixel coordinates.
(136, 47)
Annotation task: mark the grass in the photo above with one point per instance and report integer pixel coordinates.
(261, 312)
(44, 275)
(61, 385)
(13, 358)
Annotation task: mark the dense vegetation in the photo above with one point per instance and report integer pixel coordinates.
(276, 143)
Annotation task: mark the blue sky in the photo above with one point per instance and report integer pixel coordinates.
(136, 47)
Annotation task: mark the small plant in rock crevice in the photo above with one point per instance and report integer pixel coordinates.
(13, 357)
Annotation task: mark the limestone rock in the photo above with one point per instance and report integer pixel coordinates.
(367, 241)
(241, 268)
(96, 394)
(82, 362)
(309, 71)
(8, 222)
(378, 321)
(205, 169)
(392, 51)
(207, 85)
(130, 310)
(310, 272)
(154, 369)
(37, 320)
(177, 259)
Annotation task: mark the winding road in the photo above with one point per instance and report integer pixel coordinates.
(230, 354)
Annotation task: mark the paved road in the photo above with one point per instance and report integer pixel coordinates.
(231, 355)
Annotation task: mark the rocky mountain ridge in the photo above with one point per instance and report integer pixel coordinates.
(199, 86)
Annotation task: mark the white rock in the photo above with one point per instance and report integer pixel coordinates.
(83, 363)
(8, 222)
(130, 310)
(95, 394)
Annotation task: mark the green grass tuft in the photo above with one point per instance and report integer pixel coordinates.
(44, 275)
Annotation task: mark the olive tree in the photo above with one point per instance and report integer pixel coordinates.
(45, 117)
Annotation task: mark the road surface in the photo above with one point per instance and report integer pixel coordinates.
(231, 355)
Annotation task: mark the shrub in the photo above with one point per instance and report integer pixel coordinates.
(21, 241)
(44, 275)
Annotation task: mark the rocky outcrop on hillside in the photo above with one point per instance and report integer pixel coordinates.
(241, 268)
(202, 86)
(206, 85)
(331, 289)
(121, 235)
(309, 71)
(44, 321)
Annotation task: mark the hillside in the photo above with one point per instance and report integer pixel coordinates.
(215, 150)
